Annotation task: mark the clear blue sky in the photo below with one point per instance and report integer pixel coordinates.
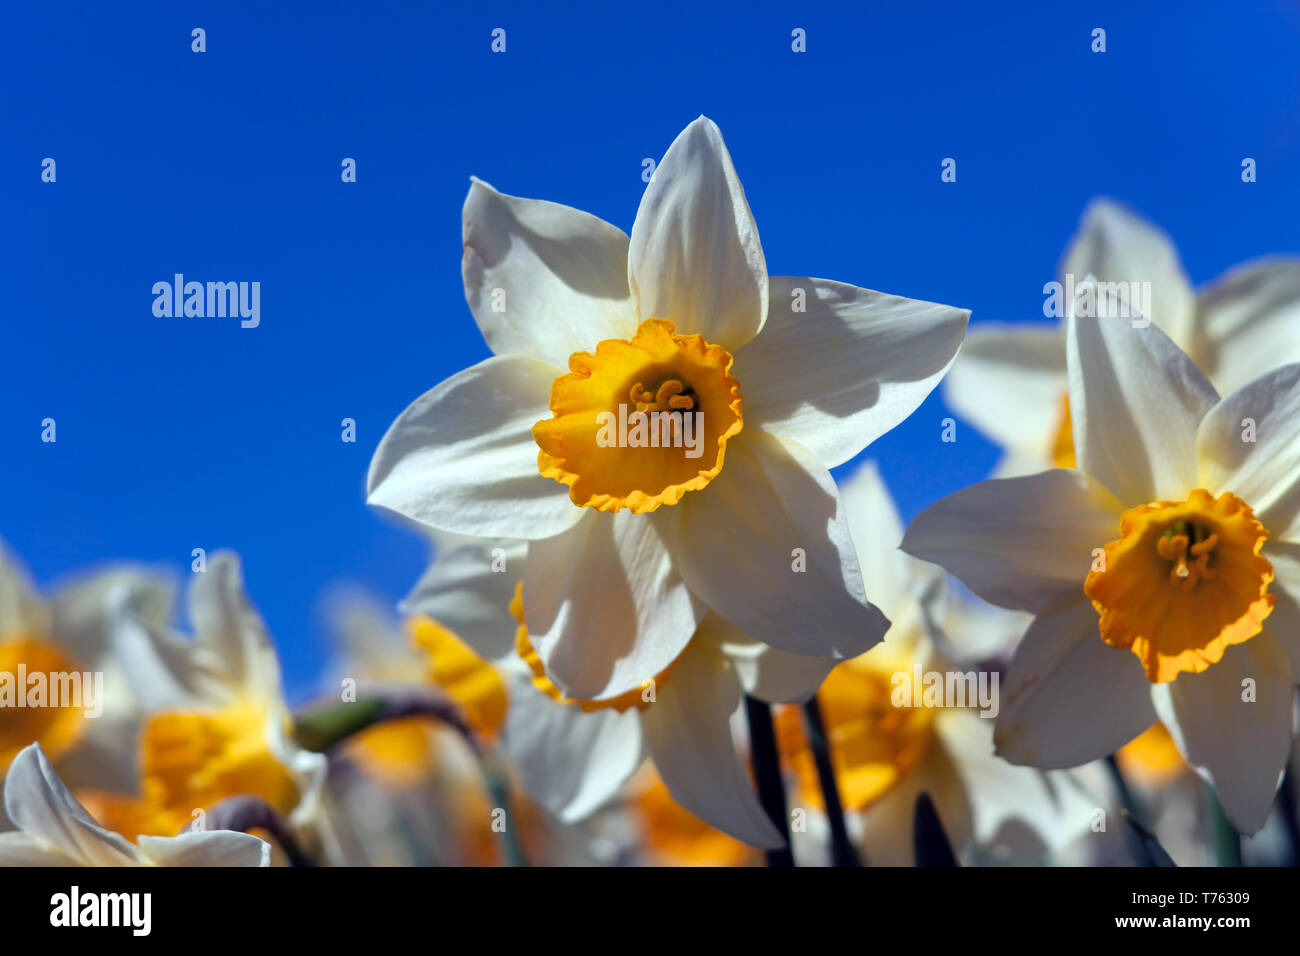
(183, 433)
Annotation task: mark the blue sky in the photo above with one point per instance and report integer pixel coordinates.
(178, 433)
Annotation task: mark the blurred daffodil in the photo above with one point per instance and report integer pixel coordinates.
(63, 644)
(888, 747)
(53, 829)
(1011, 379)
(217, 723)
(575, 755)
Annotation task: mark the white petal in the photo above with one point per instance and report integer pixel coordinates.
(605, 606)
(1135, 402)
(543, 279)
(1070, 697)
(231, 637)
(19, 849)
(847, 367)
(210, 848)
(688, 733)
(888, 822)
(1009, 382)
(1240, 747)
(764, 672)
(1024, 543)
(307, 768)
(898, 583)
(1053, 805)
(1249, 444)
(1247, 320)
(1284, 622)
(40, 805)
(774, 509)
(1116, 245)
(695, 258)
(81, 609)
(467, 590)
(164, 670)
(462, 456)
(570, 761)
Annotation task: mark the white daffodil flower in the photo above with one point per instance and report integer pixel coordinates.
(890, 742)
(217, 723)
(1011, 379)
(574, 755)
(597, 431)
(60, 685)
(1164, 571)
(53, 829)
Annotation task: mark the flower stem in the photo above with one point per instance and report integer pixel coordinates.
(498, 788)
(1227, 842)
(767, 775)
(1137, 846)
(243, 813)
(1290, 812)
(843, 852)
(324, 726)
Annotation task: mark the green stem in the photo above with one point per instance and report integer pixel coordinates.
(1137, 846)
(323, 727)
(767, 775)
(499, 789)
(843, 853)
(1227, 842)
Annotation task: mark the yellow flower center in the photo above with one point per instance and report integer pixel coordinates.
(873, 744)
(193, 760)
(471, 681)
(1183, 582)
(640, 422)
(637, 697)
(25, 663)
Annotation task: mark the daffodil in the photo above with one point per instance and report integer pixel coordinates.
(1011, 379)
(64, 642)
(409, 790)
(1164, 571)
(53, 829)
(574, 756)
(657, 423)
(217, 723)
(888, 747)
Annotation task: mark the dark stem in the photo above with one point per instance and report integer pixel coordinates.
(1137, 846)
(244, 813)
(1227, 841)
(1290, 813)
(843, 853)
(767, 775)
